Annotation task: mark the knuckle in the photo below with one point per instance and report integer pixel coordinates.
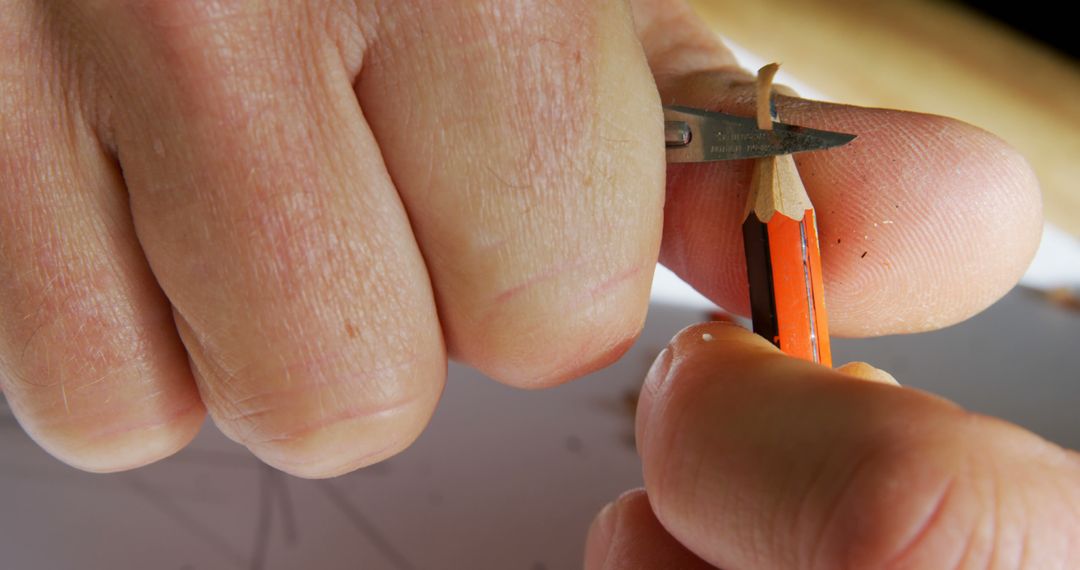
(79, 384)
(45, 80)
(213, 54)
(113, 440)
(21, 127)
(80, 314)
(74, 343)
(542, 346)
(545, 325)
(172, 21)
(99, 383)
(315, 425)
(330, 445)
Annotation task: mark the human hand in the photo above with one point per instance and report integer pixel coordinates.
(289, 213)
(753, 459)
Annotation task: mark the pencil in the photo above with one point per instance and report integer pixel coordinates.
(783, 254)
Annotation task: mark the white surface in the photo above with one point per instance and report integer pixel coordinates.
(667, 288)
(1056, 263)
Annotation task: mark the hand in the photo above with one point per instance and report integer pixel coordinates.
(289, 213)
(756, 460)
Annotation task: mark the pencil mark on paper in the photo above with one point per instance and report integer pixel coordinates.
(263, 521)
(165, 505)
(273, 497)
(364, 525)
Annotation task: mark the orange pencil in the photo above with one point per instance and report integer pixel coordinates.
(783, 256)
(787, 296)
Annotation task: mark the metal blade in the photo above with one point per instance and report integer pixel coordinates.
(717, 136)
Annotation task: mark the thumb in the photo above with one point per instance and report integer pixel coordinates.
(756, 460)
(905, 210)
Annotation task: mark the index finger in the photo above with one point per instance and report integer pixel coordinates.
(924, 220)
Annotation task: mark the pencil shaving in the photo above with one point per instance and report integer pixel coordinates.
(765, 77)
(776, 186)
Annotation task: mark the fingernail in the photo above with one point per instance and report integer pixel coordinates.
(653, 380)
(866, 371)
(659, 370)
(601, 534)
(606, 519)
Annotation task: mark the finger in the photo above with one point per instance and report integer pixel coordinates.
(756, 460)
(677, 42)
(626, 535)
(924, 221)
(526, 146)
(89, 360)
(271, 224)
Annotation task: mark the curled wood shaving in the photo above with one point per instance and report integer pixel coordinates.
(765, 77)
(776, 185)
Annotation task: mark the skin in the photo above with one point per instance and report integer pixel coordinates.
(290, 214)
(753, 459)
